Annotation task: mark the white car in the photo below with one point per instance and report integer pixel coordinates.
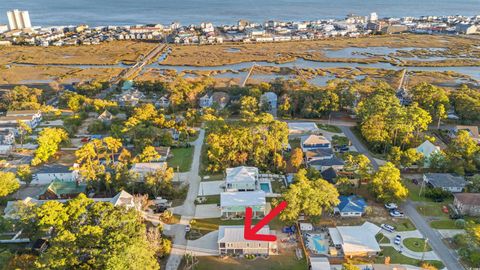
(388, 228)
(397, 240)
(391, 206)
(396, 213)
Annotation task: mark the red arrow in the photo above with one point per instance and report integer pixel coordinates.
(250, 233)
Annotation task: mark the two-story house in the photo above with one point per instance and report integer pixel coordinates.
(242, 178)
(231, 241)
(233, 204)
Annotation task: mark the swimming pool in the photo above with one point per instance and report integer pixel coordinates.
(265, 187)
(319, 243)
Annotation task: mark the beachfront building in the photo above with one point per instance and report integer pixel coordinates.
(232, 242)
(356, 241)
(241, 178)
(233, 204)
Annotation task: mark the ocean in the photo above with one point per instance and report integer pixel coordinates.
(122, 12)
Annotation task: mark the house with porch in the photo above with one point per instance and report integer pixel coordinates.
(233, 204)
(242, 178)
(231, 241)
(445, 181)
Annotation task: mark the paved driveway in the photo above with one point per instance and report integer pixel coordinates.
(207, 211)
(210, 188)
(204, 246)
(430, 255)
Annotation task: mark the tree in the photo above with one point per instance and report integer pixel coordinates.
(431, 98)
(410, 156)
(474, 185)
(360, 165)
(148, 154)
(344, 185)
(91, 235)
(386, 184)
(48, 144)
(296, 159)
(8, 183)
(23, 129)
(159, 183)
(248, 107)
(310, 197)
(22, 98)
(349, 266)
(463, 153)
(24, 173)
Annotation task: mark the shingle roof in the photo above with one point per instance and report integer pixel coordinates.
(468, 198)
(328, 162)
(319, 152)
(314, 139)
(445, 180)
(53, 169)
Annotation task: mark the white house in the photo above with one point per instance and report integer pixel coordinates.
(231, 241)
(163, 102)
(49, 173)
(6, 149)
(233, 204)
(241, 179)
(7, 137)
(358, 241)
(31, 117)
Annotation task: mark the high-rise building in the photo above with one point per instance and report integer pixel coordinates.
(18, 19)
(373, 17)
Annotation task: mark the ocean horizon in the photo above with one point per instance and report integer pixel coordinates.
(119, 12)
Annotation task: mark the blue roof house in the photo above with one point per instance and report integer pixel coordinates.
(350, 206)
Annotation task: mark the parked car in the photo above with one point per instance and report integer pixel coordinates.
(391, 206)
(159, 209)
(396, 213)
(445, 209)
(388, 228)
(397, 240)
(188, 228)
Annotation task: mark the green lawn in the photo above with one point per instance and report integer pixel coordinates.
(416, 244)
(211, 199)
(402, 225)
(340, 140)
(286, 261)
(443, 224)
(295, 143)
(432, 209)
(398, 258)
(329, 128)
(382, 239)
(213, 177)
(182, 159)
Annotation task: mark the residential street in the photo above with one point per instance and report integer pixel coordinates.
(447, 256)
(187, 210)
(435, 239)
(359, 145)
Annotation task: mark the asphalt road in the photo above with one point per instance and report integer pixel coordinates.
(448, 257)
(188, 208)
